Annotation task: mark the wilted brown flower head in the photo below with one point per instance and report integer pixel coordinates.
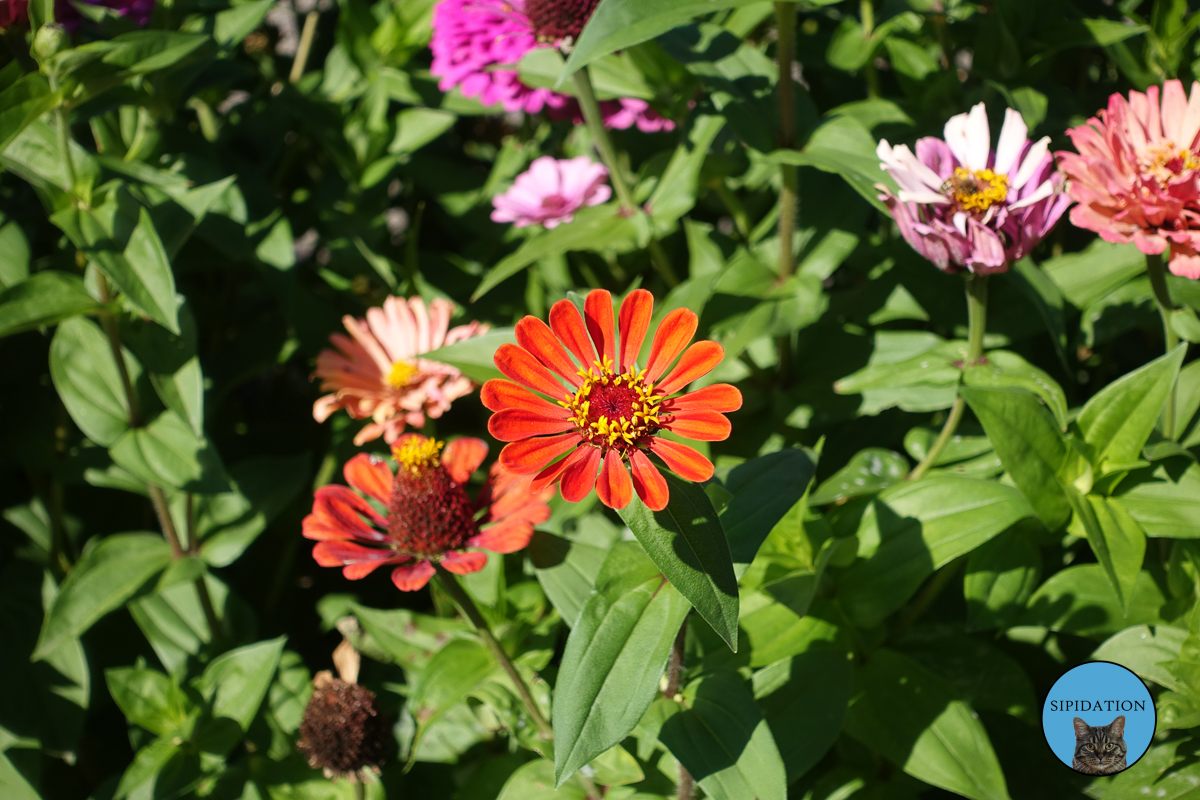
(341, 731)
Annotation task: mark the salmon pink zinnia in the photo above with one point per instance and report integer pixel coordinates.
(963, 205)
(376, 372)
(605, 414)
(1136, 176)
(428, 518)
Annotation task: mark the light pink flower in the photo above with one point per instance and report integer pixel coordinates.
(477, 44)
(551, 191)
(376, 372)
(963, 205)
(1136, 176)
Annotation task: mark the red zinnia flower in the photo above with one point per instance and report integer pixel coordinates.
(609, 413)
(429, 517)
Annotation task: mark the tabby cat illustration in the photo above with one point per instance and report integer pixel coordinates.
(1099, 750)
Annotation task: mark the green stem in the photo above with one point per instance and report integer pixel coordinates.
(976, 327)
(867, 12)
(307, 35)
(586, 96)
(1162, 296)
(785, 54)
(454, 589)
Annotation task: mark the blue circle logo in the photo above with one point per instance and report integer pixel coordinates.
(1099, 718)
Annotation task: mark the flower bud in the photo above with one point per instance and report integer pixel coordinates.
(49, 42)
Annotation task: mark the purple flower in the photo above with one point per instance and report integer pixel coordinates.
(551, 191)
(139, 11)
(963, 205)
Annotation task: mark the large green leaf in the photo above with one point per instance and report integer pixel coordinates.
(229, 522)
(567, 571)
(475, 356)
(868, 471)
(236, 682)
(148, 259)
(842, 145)
(1143, 649)
(1088, 275)
(912, 529)
(172, 363)
(1119, 418)
(107, 575)
(675, 193)
(23, 102)
(43, 299)
(614, 658)
(168, 452)
(764, 490)
(449, 677)
(813, 686)
(535, 781)
(1164, 499)
(1029, 445)
(723, 740)
(1081, 600)
(1001, 576)
(1117, 541)
(406, 637)
(86, 377)
(148, 698)
(910, 716)
(686, 541)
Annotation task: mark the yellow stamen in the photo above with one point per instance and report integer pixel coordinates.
(622, 431)
(977, 190)
(1166, 161)
(402, 373)
(418, 454)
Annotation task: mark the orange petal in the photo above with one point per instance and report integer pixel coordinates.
(684, 461)
(498, 395)
(463, 563)
(673, 334)
(598, 312)
(530, 455)
(648, 481)
(338, 514)
(718, 397)
(704, 425)
(613, 486)
(522, 367)
(463, 456)
(412, 577)
(370, 475)
(697, 361)
(536, 337)
(636, 311)
(506, 536)
(357, 562)
(515, 424)
(579, 477)
(568, 327)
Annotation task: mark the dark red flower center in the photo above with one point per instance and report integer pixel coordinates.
(612, 410)
(554, 20)
(429, 512)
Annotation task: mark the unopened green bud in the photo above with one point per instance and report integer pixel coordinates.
(49, 42)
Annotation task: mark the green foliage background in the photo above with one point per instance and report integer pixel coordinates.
(894, 639)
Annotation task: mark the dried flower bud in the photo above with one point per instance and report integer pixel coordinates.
(342, 732)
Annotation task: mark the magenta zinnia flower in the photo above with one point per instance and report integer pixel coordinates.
(477, 44)
(551, 191)
(1136, 176)
(963, 205)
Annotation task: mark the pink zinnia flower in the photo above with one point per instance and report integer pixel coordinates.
(963, 205)
(376, 372)
(1136, 176)
(551, 191)
(477, 44)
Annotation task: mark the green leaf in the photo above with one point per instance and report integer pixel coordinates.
(1143, 649)
(1005, 370)
(406, 637)
(22, 103)
(567, 571)
(175, 624)
(101, 581)
(844, 147)
(148, 698)
(1081, 600)
(1028, 443)
(172, 363)
(688, 544)
(449, 677)
(43, 299)
(417, 127)
(475, 356)
(903, 359)
(723, 740)
(912, 529)
(1088, 275)
(616, 767)
(14, 253)
(675, 193)
(13, 784)
(1117, 541)
(229, 522)
(236, 682)
(535, 781)
(139, 52)
(868, 472)
(764, 490)
(1119, 418)
(1046, 297)
(910, 716)
(234, 24)
(813, 686)
(1001, 576)
(86, 377)
(168, 452)
(1164, 499)
(614, 658)
(148, 259)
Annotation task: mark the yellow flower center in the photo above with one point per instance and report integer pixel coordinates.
(417, 454)
(1166, 161)
(613, 410)
(976, 190)
(401, 374)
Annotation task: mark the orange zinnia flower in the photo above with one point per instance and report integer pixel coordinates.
(428, 516)
(608, 416)
(378, 372)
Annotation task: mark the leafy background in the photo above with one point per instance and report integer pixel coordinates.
(230, 205)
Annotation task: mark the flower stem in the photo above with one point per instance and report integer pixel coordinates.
(1162, 296)
(785, 54)
(687, 784)
(307, 35)
(976, 326)
(454, 589)
(586, 96)
(867, 12)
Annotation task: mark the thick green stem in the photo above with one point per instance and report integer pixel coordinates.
(976, 327)
(586, 96)
(450, 584)
(1162, 296)
(785, 54)
(867, 12)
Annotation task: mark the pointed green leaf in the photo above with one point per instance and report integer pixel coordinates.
(168, 452)
(44, 298)
(449, 676)
(86, 377)
(813, 686)
(236, 682)
(567, 571)
(475, 356)
(1117, 541)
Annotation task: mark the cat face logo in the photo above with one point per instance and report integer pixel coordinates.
(1099, 749)
(1099, 718)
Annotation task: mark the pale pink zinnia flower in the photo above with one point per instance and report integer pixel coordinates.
(477, 44)
(551, 191)
(963, 205)
(1136, 176)
(376, 372)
